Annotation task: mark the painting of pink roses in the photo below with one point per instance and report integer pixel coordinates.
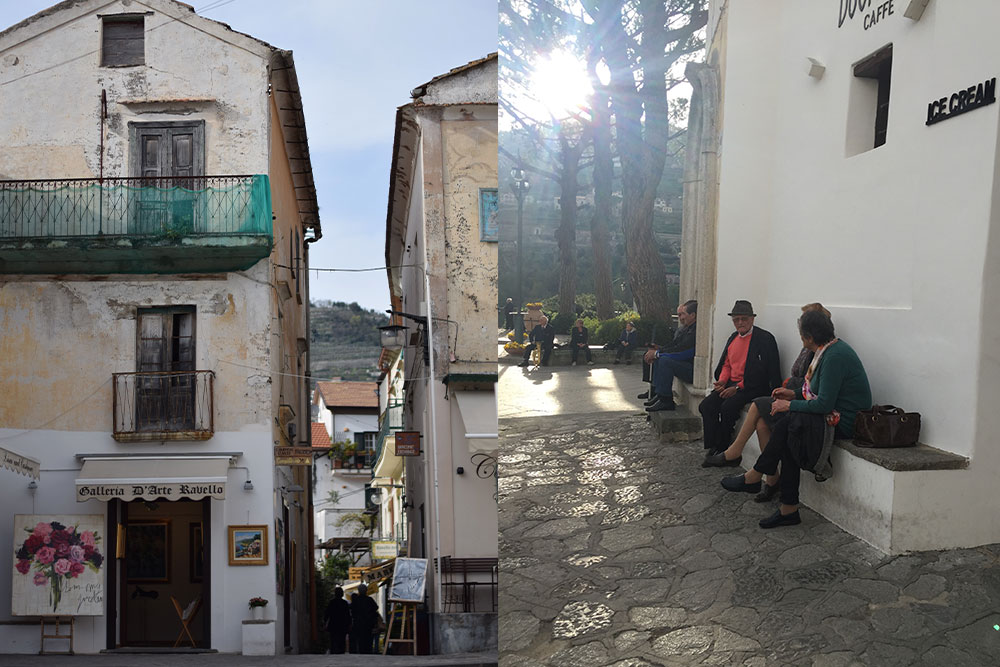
(58, 561)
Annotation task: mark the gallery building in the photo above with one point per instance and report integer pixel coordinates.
(849, 155)
(156, 211)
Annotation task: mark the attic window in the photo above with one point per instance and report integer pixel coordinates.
(123, 41)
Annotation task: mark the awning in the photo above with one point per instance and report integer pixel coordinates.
(479, 415)
(20, 463)
(151, 477)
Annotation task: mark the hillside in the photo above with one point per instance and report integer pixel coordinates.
(344, 340)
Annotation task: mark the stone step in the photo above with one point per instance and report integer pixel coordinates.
(676, 425)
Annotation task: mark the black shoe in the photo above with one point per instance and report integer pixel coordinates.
(767, 493)
(739, 483)
(523, 364)
(720, 461)
(660, 405)
(779, 519)
(645, 394)
(652, 401)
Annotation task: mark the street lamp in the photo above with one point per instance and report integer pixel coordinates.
(521, 186)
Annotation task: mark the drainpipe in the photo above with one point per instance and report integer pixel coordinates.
(308, 413)
(430, 397)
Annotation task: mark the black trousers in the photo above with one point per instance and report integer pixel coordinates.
(575, 352)
(777, 451)
(338, 642)
(719, 415)
(623, 351)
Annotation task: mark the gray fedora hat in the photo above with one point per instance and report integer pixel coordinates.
(743, 308)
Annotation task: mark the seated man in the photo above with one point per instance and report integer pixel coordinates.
(627, 342)
(747, 369)
(544, 334)
(677, 358)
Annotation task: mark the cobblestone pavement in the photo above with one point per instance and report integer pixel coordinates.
(234, 660)
(618, 550)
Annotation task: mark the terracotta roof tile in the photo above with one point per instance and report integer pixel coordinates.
(348, 394)
(320, 438)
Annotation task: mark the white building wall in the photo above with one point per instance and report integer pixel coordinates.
(892, 240)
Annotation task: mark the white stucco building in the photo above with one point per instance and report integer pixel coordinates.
(441, 255)
(153, 317)
(849, 156)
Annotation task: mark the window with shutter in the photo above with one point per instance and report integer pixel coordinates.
(165, 359)
(123, 41)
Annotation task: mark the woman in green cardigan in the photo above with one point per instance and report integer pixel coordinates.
(835, 389)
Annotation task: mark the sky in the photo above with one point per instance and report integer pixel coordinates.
(356, 61)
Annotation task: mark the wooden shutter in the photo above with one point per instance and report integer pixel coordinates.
(123, 41)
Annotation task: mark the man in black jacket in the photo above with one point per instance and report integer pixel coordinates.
(544, 334)
(748, 368)
(677, 358)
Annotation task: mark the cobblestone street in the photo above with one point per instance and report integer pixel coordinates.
(616, 549)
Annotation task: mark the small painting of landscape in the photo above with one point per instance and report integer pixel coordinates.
(248, 545)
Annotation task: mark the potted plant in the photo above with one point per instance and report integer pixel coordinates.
(257, 605)
(349, 451)
(337, 454)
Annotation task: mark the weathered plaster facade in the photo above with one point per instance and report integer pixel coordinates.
(62, 336)
(441, 270)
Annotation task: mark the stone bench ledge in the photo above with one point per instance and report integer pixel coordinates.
(906, 459)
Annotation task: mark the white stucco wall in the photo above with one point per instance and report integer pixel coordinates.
(893, 240)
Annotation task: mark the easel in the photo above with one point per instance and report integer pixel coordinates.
(57, 635)
(404, 609)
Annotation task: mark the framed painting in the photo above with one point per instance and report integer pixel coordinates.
(248, 545)
(58, 565)
(408, 580)
(488, 226)
(196, 548)
(147, 552)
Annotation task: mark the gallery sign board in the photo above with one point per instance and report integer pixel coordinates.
(293, 456)
(385, 549)
(58, 565)
(407, 443)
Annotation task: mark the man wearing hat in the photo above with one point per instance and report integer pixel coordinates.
(748, 368)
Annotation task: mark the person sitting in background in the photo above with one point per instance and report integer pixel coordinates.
(544, 334)
(748, 368)
(626, 343)
(760, 420)
(677, 358)
(578, 340)
(835, 388)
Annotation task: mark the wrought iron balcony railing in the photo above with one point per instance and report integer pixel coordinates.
(170, 208)
(163, 406)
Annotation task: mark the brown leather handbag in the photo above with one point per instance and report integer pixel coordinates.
(886, 426)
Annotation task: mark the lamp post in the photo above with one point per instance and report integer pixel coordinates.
(521, 186)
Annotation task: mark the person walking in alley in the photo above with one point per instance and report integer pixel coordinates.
(337, 618)
(364, 616)
(748, 368)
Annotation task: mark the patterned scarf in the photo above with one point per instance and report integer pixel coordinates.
(807, 392)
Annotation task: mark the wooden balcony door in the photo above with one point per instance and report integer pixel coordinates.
(165, 399)
(158, 150)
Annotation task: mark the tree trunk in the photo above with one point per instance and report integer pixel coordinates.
(600, 237)
(569, 154)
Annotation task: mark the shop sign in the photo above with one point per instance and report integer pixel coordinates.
(150, 491)
(873, 11)
(384, 549)
(407, 443)
(293, 456)
(959, 102)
